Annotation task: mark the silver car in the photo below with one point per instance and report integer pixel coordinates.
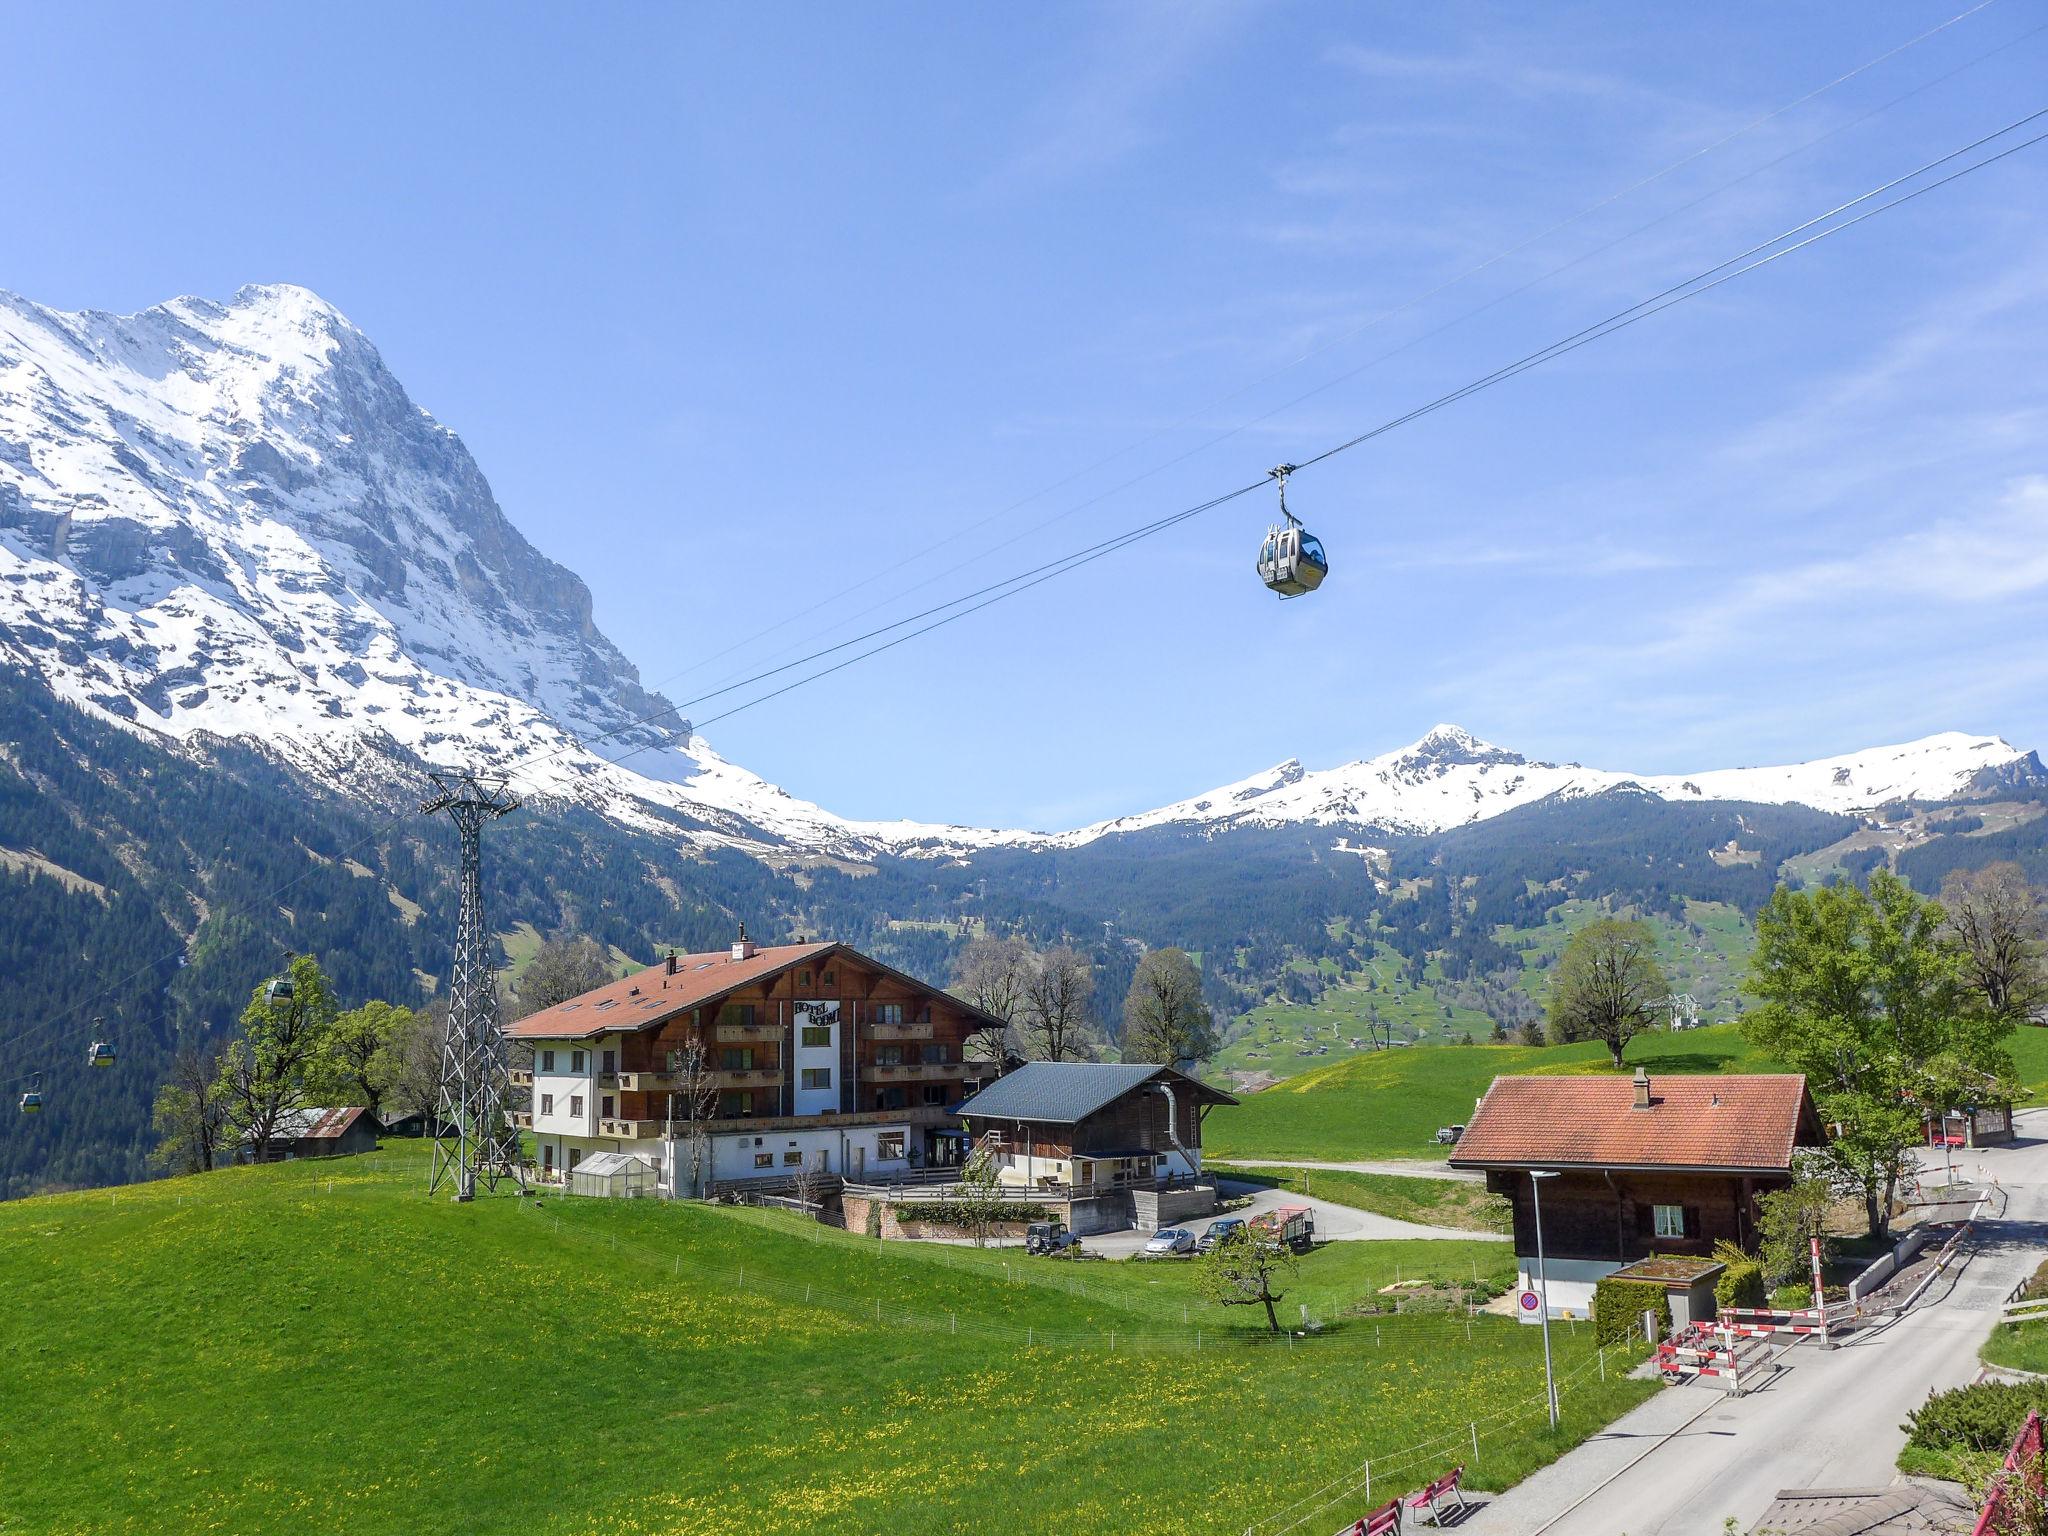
(1171, 1241)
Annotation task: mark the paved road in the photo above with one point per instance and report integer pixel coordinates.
(1415, 1170)
(1690, 1456)
(1334, 1223)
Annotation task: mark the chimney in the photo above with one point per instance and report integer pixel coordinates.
(1642, 1089)
(671, 962)
(743, 947)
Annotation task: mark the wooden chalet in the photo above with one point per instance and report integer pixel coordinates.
(802, 1056)
(1642, 1168)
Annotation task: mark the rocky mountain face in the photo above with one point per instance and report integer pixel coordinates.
(231, 520)
(248, 588)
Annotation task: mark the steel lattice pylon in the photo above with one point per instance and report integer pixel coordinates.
(473, 1143)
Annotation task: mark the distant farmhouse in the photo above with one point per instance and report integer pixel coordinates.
(313, 1132)
(808, 1057)
(1643, 1168)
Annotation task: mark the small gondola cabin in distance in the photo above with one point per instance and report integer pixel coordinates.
(1669, 1167)
(807, 1056)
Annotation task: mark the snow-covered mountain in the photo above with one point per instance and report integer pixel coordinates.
(1450, 778)
(230, 519)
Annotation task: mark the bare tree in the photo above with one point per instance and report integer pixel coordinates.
(407, 1066)
(1165, 1019)
(563, 967)
(991, 973)
(808, 1182)
(978, 1197)
(1996, 916)
(189, 1119)
(692, 1102)
(1057, 995)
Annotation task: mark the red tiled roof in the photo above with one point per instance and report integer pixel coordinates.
(648, 998)
(1740, 1123)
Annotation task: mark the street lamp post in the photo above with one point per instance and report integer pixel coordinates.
(1536, 1178)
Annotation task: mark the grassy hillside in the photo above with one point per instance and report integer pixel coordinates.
(1390, 1103)
(319, 1346)
(1705, 954)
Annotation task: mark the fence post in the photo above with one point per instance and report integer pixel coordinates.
(1475, 1440)
(1603, 1365)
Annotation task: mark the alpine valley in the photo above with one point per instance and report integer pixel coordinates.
(249, 591)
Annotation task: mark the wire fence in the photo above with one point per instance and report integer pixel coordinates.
(1155, 1334)
(1399, 1471)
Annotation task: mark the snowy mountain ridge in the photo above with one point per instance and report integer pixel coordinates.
(230, 519)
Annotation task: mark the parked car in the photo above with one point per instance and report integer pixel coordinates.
(1170, 1242)
(1219, 1229)
(1448, 1136)
(1053, 1238)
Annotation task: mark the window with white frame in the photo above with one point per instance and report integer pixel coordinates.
(1668, 1220)
(547, 1103)
(576, 1104)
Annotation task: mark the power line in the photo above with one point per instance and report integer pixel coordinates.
(987, 596)
(1370, 363)
(1339, 339)
(1692, 287)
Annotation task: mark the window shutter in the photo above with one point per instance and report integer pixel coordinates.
(1692, 1221)
(1646, 1217)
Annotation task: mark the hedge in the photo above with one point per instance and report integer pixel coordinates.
(1619, 1305)
(955, 1213)
(1740, 1285)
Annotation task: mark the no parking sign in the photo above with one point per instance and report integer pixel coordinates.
(1529, 1302)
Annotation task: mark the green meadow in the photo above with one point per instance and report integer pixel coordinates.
(1389, 1104)
(319, 1345)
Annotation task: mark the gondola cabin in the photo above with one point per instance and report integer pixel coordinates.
(1292, 561)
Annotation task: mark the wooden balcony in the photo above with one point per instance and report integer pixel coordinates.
(748, 1077)
(897, 1031)
(911, 1072)
(742, 1034)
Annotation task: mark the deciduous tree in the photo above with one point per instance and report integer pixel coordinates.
(1997, 918)
(1165, 1018)
(407, 1067)
(188, 1117)
(1057, 994)
(1608, 987)
(565, 966)
(283, 1047)
(1863, 991)
(992, 973)
(349, 1073)
(1240, 1270)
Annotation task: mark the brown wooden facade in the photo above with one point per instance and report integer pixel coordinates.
(904, 1048)
(1610, 1215)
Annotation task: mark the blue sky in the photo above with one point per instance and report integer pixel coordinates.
(740, 305)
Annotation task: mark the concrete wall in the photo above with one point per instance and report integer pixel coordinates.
(1152, 1209)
